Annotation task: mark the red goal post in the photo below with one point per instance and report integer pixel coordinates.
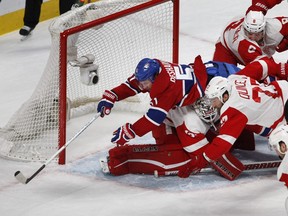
(99, 22)
(118, 33)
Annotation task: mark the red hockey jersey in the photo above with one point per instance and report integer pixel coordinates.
(176, 85)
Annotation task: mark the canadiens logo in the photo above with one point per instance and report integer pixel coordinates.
(223, 120)
(191, 134)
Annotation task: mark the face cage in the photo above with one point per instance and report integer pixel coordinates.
(205, 111)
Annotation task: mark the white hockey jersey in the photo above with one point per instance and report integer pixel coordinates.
(249, 104)
(245, 50)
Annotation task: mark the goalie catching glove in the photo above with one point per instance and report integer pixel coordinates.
(106, 103)
(123, 134)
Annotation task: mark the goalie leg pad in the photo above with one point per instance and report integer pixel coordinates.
(146, 159)
(118, 160)
(228, 166)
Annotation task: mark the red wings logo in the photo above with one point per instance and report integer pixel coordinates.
(191, 134)
(223, 120)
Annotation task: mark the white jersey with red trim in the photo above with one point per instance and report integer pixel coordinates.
(261, 104)
(249, 103)
(282, 172)
(245, 50)
(275, 29)
(191, 130)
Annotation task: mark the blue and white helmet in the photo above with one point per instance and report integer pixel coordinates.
(147, 69)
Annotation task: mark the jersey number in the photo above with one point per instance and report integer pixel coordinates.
(183, 72)
(257, 90)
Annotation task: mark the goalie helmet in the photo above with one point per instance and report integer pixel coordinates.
(217, 87)
(147, 69)
(278, 140)
(205, 111)
(254, 22)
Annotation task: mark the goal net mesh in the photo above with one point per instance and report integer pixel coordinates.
(118, 44)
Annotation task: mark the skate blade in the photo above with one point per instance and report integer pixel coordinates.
(24, 38)
(104, 165)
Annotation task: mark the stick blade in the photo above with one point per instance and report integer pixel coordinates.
(20, 177)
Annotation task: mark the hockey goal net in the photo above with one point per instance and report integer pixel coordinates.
(118, 34)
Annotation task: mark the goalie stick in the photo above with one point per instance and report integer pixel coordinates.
(248, 167)
(24, 180)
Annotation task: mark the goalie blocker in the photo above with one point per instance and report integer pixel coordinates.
(166, 159)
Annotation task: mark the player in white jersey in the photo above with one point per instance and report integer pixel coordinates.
(242, 102)
(243, 44)
(253, 39)
(169, 157)
(278, 141)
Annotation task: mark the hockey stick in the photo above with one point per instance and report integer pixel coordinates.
(262, 165)
(248, 167)
(21, 178)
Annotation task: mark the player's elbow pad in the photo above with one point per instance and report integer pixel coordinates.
(156, 116)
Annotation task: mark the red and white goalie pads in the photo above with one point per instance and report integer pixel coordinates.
(146, 159)
(228, 166)
(163, 160)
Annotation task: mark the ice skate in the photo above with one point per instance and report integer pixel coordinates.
(25, 32)
(104, 165)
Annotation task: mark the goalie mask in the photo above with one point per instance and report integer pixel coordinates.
(147, 69)
(278, 140)
(205, 111)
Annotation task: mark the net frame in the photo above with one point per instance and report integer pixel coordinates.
(63, 55)
(42, 107)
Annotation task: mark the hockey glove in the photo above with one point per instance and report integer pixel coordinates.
(193, 167)
(282, 72)
(106, 103)
(283, 45)
(123, 134)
